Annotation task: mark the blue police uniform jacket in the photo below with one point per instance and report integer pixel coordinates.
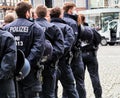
(29, 38)
(8, 55)
(48, 49)
(67, 33)
(55, 36)
(85, 33)
(71, 20)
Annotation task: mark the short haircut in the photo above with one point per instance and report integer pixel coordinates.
(41, 11)
(55, 12)
(22, 8)
(9, 18)
(68, 5)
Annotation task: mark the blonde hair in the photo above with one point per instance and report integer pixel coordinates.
(9, 18)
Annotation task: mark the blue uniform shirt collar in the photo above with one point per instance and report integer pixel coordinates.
(58, 20)
(41, 19)
(74, 17)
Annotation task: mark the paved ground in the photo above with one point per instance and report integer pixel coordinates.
(109, 70)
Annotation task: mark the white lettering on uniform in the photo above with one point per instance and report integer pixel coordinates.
(22, 29)
(44, 29)
(18, 41)
(17, 38)
(76, 33)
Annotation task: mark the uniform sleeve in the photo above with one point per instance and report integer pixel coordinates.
(58, 45)
(38, 46)
(48, 48)
(75, 31)
(75, 28)
(68, 39)
(9, 58)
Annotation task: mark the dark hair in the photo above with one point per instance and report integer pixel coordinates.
(83, 18)
(22, 8)
(55, 12)
(41, 11)
(67, 6)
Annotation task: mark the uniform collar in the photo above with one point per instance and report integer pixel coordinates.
(74, 17)
(41, 19)
(58, 20)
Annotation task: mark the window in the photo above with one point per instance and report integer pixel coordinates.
(49, 3)
(106, 17)
(1, 2)
(112, 24)
(1, 15)
(58, 3)
(80, 3)
(36, 2)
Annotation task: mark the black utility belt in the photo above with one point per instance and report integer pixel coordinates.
(88, 51)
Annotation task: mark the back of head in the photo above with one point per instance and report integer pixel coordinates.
(22, 8)
(81, 19)
(68, 5)
(55, 12)
(41, 11)
(9, 18)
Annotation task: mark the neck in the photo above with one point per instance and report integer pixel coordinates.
(69, 12)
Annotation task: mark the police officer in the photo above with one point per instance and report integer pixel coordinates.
(85, 31)
(30, 39)
(8, 55)
(54, 35)
(89, 54)
(64, 73)
(77, 63)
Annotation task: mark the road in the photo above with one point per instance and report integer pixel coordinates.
(109, 71)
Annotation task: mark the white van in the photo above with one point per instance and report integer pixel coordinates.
(110, 32)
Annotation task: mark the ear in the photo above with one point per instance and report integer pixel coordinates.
(27, 14)
(70, 11)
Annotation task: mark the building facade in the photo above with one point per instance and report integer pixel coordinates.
(81, 4)
(104, 3)
(59, 3)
